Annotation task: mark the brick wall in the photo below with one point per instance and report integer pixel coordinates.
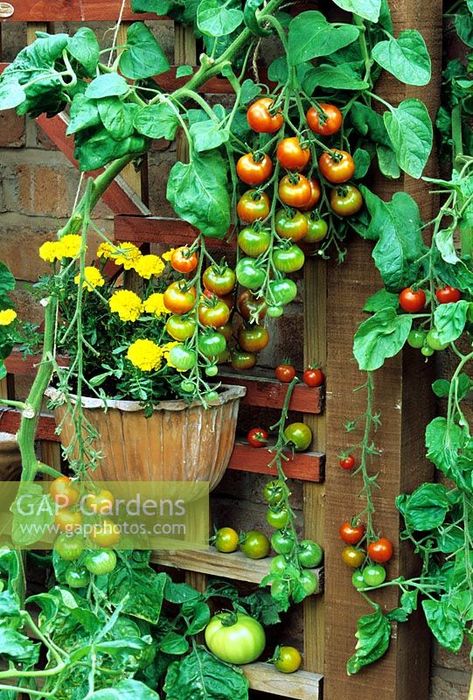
(37, 191)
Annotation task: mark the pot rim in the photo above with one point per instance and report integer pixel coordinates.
(230, 393)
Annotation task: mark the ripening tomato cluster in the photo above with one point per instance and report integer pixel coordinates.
(413, 301)
(297, 435)
(368, 562)
(312, 376)
(94, 555)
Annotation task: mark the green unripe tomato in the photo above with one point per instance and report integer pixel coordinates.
(433, 340)
(416, 339)
(427, 351)
(357, 579)
(211, 370)
(374, 575)
(77, 578)
(275, 311)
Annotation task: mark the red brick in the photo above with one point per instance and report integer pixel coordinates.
(12, 130)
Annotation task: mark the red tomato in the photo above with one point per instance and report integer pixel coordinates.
(412, 300)
(380, 551)
(285, 372)
(347, 462)
(257, 437)
(253, 205)
(254, 169)
(324, 120)
(337, 166)
(214, 314)
(294, 190)
(351, 534)
(314, 196)
(313, 376)
(250, 307)
(178, 298)
(292, 155)
(346, 200)
(263, 118)
(183, 260)
(448, 295)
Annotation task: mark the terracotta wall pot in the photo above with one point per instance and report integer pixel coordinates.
(179, 442)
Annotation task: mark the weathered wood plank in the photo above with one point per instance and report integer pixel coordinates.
(301, 685)
(71, 11)
(306, 466)
(157, 229)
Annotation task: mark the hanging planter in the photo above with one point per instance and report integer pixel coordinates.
(179, 442)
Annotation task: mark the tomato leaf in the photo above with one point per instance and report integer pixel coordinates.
(410, 130)
(387, 162)
(450, 320)
(84, 114)
(362, 161)
(198, 193)
(215, 18)
(464, 26)
(17, 647)
(368, 9)
(30, 507)
(382, 299)
(445, 624)
(208, 134)
(7, 280)
(406, 57)
(160, 7)
(84, 47)
(380, 337)
(200, 674)
(311, 36)
(336, 77)
(369, 123)
(157, 122)
(444, 442)
(396, 226)
(108, 85)
(125, 690)
(373, 633)
(173, 643)
(97, 150)
(117, 117)
(143, 57)
(444, 241)
(426, 508)
(141, 591)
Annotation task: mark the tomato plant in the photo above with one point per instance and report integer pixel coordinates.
(309, 554)
(184, 260)
(346, 200)
(347, 462)
(287, 659)
(69, 547)
(299, 435)
(278, 517)
(288, 258)
(180, 327)
(63, 492)
(324, 119)
(336, 166)
(219, 280)
(291, 154)
(68, 520)
(293, 226)
(412, 300)
(254, 338)
(101, 562)
(315, 194)
(353, 557)
(243, 360)
(252, 206)
(257, 437)
(235, 638)
(295, 190)
(313, 376)
(317, 229)
(285, 372)
(254, 242)
(250, 274)
(214, 313)
(179, 298)
(100, 502)
(255, 545)
(105, 534)
(264, 117)
(226, 540)
(352, 534)
(380, 551)
(448, 295)
(374, 575)
(254, 169)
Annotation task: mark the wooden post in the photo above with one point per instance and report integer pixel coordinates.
(315, 350)
(405, 400)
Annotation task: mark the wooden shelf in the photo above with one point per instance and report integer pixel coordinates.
(301, 685)
(306, 466)
(234, 566)
(10, 423)
(158, 229)
(264, 391)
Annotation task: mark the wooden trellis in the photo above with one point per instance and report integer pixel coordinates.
(332, 303)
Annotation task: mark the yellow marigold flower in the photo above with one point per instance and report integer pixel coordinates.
(145, 355)
(126, 304)
(7, 316)
(92, 279)
(168, 254)
(148, 266)
(106, 250)
(154, 304)
(50, 251)
(127, 255)
(70, 245)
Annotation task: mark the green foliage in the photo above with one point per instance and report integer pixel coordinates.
(406, 57)
(373, 633)
(380, 337)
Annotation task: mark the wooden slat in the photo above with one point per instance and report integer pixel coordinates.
(119, 196)
(71, 11)
(157, 229)
(267, 392)
(27, 366)
(306, 466)
(301, 685)
(235, 566)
